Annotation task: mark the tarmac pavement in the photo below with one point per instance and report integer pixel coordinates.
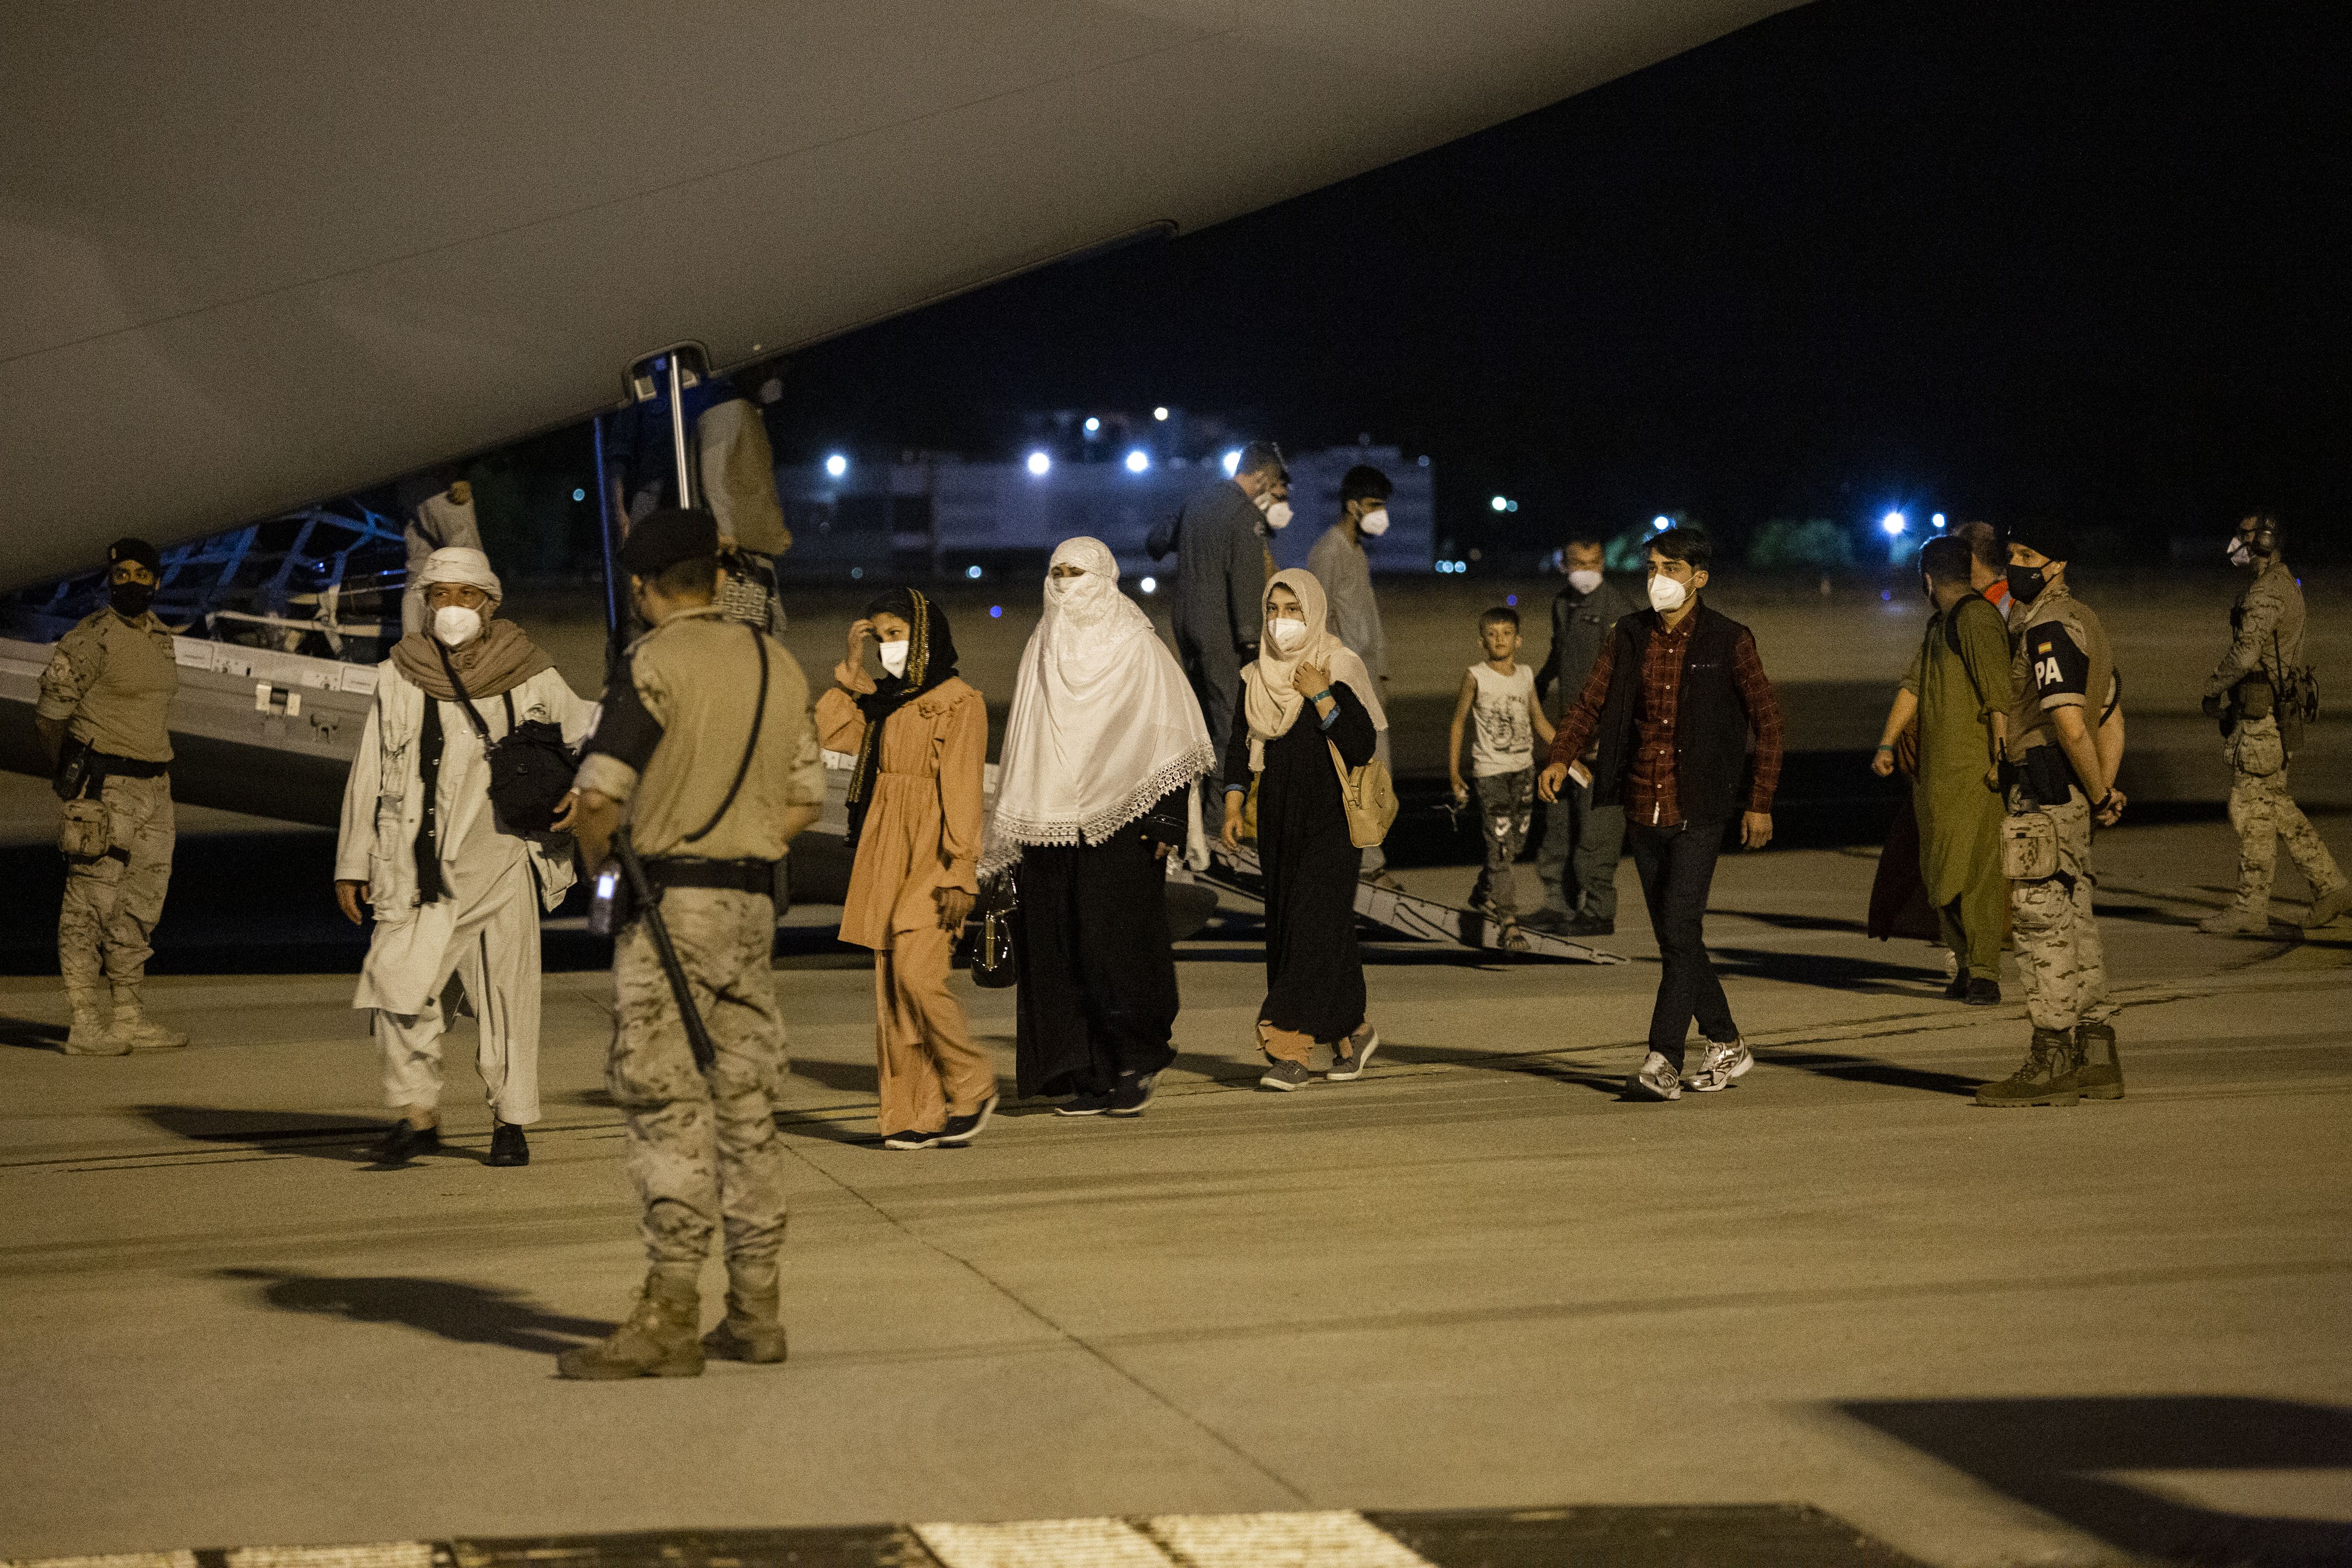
(1473, 1280)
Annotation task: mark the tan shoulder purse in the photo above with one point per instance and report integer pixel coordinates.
(1370, 795)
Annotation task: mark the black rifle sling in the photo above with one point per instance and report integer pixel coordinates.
(759, 716)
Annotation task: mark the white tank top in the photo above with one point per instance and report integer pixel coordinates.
(1502, 739)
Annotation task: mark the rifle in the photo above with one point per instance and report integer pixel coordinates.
(609, 914)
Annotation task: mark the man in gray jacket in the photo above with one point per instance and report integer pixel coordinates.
(1339, 563)
(1581, 841)
(1221, 568)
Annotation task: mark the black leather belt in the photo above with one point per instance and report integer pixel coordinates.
(693, 871)
(117, 767)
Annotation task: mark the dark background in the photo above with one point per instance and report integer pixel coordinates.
(2021, 261)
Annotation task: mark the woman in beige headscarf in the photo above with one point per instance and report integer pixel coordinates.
(1305, 702)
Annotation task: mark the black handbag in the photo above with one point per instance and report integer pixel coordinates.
(992, 952)
(531, 770)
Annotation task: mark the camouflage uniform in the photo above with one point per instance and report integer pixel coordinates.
(2059, 658)
(2267, 627)
(111, 681)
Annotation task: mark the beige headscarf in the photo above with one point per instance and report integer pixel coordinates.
(501, 659)
(1270, 702)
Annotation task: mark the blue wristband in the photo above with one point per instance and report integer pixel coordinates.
(1322, 694)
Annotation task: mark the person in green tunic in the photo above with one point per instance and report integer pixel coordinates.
(1957, 690)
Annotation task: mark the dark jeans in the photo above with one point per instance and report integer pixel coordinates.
(1577, 861)
(1676, 866)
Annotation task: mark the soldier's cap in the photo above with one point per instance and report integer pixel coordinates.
(2051, 540)
(129, 548)
(667, 535)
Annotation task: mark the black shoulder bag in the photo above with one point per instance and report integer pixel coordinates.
(530, 768)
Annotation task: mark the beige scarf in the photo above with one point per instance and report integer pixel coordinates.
(498, 661)
(1269, 701)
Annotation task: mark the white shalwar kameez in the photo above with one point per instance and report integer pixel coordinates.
(484, 931)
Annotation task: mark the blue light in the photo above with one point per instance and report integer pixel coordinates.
(1094, 425)
(1138, 461)
(1938, 520)
(995, 612)
(1233, 461)
(1661, 523)
(1893, 523)
(973, 572)
(856, 572)
(1040, 464)
(836, 465)
(1512, 600)
(579, 495)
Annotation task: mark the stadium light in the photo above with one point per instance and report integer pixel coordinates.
(1094, 425)
(1150, 584)
(1040, 464)
(1500, 504)
(579, 495)
(1661, 522)
(1138, 461)
(836, 465)
(973, 572)
(1893, 523)
(1160, 413)
(1938, 520)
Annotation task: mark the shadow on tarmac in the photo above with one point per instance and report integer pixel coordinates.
(467, 1314)
(27, 1035)
(2060, 1455)
(344, 1139)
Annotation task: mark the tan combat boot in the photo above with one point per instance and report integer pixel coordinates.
(657, 1340)
(750, 1330)
(135, 1028)
(2048, 1077)
(92, 1033)
(2100, 1075)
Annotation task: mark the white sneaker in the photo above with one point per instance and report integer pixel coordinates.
(1656, 1080)
(1720, 1065)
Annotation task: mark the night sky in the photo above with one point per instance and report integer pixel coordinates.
(2010, 261)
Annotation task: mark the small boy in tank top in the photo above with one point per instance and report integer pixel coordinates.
(1498, 703)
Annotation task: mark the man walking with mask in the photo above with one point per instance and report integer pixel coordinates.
(2061, 674)
(1340, 564)
(1223, 566)
(457, 893)
(102, 717)
(2257, 693)
(1673, 701)
(1581, 843)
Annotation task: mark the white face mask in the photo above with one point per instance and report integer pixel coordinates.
(1277, 512)
(1287, 636)
(1666, 596)
(893, 656)
(2239, 554)
(1374, 522)
(1585, 580)
(456, 625)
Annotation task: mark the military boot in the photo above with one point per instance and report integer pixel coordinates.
(92, 1033)
(2100, 1075)
(2237, 919)
(657, 1340)
(751, 1330)
(2046, 1079)
(132, 1025)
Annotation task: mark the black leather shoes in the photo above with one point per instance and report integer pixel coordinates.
(1983, 993)
(405, 1142)
(1585, 925)
(507, 1145)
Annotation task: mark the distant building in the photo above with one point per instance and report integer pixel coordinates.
(927, 514)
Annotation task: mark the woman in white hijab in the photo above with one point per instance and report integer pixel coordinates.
(1306, 701)
(1094, 786)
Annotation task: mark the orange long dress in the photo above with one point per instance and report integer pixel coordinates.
(921, 835)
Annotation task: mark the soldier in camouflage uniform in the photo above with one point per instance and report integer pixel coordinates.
(2265, 647)
(105, 698)
(705, 740)
(2060, 667)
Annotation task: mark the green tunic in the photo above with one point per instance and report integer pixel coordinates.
(1958, 688)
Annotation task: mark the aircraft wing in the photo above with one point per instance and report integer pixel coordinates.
(264, 253)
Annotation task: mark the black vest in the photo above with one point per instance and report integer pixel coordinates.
(1711, 747)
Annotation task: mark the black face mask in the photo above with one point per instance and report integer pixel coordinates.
(2026, 583)
(130, 599)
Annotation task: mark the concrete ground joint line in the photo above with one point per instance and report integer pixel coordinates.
(977, 1272)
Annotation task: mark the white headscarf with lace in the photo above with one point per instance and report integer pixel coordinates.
(1103, 724)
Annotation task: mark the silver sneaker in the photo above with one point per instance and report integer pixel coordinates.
(1656, 1080)
(1720, 1065)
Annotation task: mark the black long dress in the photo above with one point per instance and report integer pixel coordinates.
(1095, 964)
(1314, 970)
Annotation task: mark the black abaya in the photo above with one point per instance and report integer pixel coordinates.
(1096, 968)
(1314, 970)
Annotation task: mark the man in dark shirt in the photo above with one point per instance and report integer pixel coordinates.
(1222, 570)
(1671, 703)
(1581, 841)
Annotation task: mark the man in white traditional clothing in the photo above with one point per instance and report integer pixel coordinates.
(1101, 747)
(456, 893)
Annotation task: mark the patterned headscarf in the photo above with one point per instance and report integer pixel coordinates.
(931, 660)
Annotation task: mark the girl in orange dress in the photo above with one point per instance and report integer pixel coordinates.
(919, 735)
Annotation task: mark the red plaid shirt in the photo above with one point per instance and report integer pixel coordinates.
(1650, 794)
